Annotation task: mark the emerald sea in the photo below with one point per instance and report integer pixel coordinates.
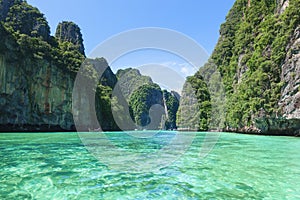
(59, 166)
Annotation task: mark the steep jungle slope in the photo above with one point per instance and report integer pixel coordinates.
(257, 56)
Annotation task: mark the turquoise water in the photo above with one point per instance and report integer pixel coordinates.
(58, 166)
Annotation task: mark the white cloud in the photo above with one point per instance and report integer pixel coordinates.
(184, 70)
(187, 70)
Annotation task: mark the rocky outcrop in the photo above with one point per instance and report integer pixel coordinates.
(270, 126)
(24, 19)
(130, 80)
(290, 95)
(70, 32)
(147, 107)
(34, 95)
(171, 104)
(277, 126)
(5, 5)
(282, 5)
(37, 73)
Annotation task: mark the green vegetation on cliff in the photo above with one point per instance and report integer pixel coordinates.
(70, 32)
(252, 73)
(130, 80)
(172, 103)
(142, 94)
(29, 37)
(142, 100)
(21, 18)
(249, 55)
(37, 72)
(195, 105)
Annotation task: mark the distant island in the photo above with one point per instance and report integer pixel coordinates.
(257, 55)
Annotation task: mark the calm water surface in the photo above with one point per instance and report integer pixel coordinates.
(58, 166)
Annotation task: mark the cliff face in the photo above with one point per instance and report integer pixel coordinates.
(37, 72)
(5, 5)
(34, 94)
(282, 5)
(171, 104)
(141, 94)
(290, 76)
(147, 106)
(257, 56)
(130, 80)
(70, 32)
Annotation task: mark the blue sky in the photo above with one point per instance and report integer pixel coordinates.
(101, 19)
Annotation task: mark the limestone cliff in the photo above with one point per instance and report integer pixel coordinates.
(130, 80)
(37, 72)
(257, 56)
(147, 106)
(290, 76)
(34, 93)
(70, 32)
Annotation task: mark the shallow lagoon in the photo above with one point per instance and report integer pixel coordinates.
(58, 166)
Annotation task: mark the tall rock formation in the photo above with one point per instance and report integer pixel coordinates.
(258, 59)
(130, 80)
(23, 18)
(290, 76)
(147, 106)
(171, 103)
(70, 32)
(145, 95)
(37, 72)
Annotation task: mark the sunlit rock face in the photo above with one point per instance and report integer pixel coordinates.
(290, 96)
(282, 5)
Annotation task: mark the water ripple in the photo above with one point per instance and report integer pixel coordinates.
(57, 166)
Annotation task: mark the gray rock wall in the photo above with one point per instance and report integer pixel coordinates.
(34, 94)
(290, 95)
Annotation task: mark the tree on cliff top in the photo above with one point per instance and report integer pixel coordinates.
(70, 32)
(22, 18)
